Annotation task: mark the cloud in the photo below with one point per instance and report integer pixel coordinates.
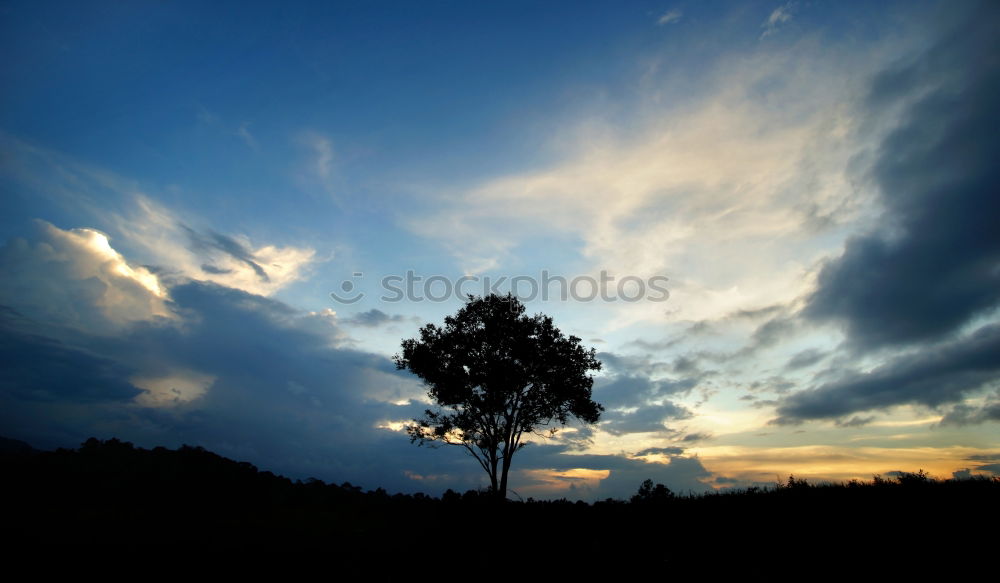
(695, 437)
(162, 241)
(779, 16)
(320, 167)
(931, 267)
(624, 475)
(921, 292)
(76, 277)
(699, 187)
(229, 247)
(635, 390)
(37, 369)
(206, 255)
(375, 318)
(671, 16)
(805, 359)
(176, 388)
(252, 379)
(244, 133)
(964, 414)
(667, 451)
(85, 353)
(933, 377)
(245, 376)
(635, 402)
(681, 474)
(855, 421)
(647, 418)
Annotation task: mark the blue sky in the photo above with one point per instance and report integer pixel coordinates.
(184, 184)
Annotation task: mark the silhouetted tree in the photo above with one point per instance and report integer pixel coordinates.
(648, 493)
(497, 374)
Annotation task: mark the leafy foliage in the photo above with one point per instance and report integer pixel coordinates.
(650, 494)
(496, 375)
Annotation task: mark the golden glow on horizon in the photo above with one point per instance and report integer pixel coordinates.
(549, 480)
(822, 462)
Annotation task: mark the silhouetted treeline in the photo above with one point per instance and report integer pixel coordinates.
(110, 492)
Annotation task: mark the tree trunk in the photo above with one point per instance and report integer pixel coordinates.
(493, 477)
(502, 493)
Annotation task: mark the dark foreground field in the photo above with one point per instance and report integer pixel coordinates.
(111, 495)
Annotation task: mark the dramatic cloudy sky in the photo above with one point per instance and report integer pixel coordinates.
(811, 184)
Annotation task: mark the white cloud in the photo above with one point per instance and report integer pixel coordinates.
(75, 278)
(148, 230)
(670, 17)
(319, 169)
(732, 194)
(244, 133)
(235, 262)
(778, 17)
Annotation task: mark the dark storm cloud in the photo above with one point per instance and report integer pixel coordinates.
(284, 396)
(933, 266)
(931, 377)
(37, 368)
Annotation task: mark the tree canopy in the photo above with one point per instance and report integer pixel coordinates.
(496, 375)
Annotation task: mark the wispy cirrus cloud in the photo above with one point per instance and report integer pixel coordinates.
(701, 192)
(319, 169)
(244, 133)
(671, 16)
(778, 17)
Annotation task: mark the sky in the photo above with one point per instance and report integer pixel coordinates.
(775, 222)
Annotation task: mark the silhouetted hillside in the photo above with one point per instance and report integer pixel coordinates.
(110, 492)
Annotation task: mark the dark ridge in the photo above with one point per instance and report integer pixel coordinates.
(113, 494)
(14, 447)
